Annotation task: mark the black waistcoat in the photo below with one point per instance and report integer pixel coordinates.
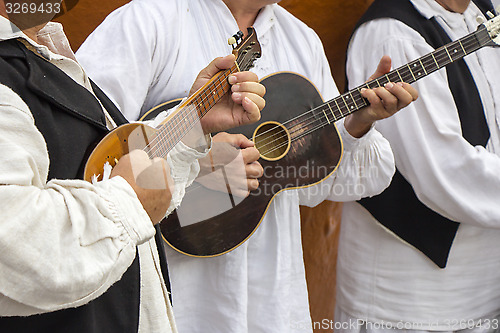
(398, 207)
(71, 120)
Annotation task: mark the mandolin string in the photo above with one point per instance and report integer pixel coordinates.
(243, 62)
(158, 141)
(189, 111)
(467, 42)
(191, 108)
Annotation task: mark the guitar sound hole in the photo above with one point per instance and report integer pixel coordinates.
(272, 140)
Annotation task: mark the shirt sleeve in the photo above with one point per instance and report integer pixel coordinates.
(127, 67)
(63, 242)
(366, 169)
(449, 175)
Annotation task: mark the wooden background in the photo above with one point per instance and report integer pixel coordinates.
(333, 20)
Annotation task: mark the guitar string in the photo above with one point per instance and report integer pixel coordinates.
(409, 76)
(405, 76)
(468, 41)
(356, 99)
(315, 109)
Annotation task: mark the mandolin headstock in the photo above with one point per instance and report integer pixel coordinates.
(246, 50)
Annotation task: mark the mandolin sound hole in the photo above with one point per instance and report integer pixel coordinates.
(272, 140)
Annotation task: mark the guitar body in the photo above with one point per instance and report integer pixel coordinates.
(294, 154)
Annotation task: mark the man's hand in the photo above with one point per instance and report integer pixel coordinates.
(239, 158)
(150, 180)
(242, 105)
(384, 101)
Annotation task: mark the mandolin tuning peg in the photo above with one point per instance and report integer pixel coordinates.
(480, 19)
(231, 40)
(490, 14)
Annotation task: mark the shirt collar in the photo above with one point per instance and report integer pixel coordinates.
(430, 8)
(266, 19)
(53, 42)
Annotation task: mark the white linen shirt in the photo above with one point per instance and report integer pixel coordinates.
(151, 51)
(380, 278)
(63, 243)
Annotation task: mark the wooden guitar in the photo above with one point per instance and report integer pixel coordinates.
(296, 132)
(157, 142)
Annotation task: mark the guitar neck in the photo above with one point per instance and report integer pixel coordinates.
(352, 101)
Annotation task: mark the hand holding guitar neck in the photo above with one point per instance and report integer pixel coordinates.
(384, 101)
(240, 106)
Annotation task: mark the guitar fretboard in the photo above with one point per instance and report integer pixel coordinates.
(352, 101)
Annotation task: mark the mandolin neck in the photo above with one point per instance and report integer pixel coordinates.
(352, 101)
(188, 114)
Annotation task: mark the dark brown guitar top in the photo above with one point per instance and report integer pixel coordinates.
(286, 148)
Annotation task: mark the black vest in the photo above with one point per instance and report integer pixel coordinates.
(398, 208)
(71, 121)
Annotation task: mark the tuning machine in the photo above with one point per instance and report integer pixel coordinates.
(235, 39)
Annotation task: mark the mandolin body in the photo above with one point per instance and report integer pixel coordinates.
(120, 141)
(303, 155)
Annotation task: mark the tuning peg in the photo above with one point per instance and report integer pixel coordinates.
(490, 14)
(480, 19)
(231, 40)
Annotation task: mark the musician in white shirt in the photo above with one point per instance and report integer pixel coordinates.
(382, 279)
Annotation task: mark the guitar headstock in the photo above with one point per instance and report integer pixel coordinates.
(493, 28)
(246, 50)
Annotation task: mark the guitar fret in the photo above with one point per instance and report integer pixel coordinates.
(461, 45)
(333, 114)
(338, 107)
(354, 100)
(345, 103)
(326, 116)
(423, 67)
(399, 75)
(448, 53)
(408, 65)
(432, 54)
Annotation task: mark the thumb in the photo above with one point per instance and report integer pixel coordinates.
(217, 65)
(240, 141)
(384, 66)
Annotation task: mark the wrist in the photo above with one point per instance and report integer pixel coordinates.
(357, 127)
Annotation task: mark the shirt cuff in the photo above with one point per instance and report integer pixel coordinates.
(128, 209)
(351, 143)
